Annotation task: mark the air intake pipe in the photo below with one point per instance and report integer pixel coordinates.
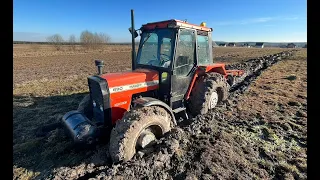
(99, 65)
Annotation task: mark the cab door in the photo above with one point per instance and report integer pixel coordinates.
(183, 66)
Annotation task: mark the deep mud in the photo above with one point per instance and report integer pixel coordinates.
(219, 145)
(253, 68)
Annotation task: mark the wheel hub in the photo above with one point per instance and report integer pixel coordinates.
(146, 138)
(213, 100)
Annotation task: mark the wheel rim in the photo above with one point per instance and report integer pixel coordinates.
(146, 138)
(213, 100)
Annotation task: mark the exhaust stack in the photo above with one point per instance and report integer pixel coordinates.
(133, 43)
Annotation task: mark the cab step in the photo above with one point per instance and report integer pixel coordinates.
(179, 109)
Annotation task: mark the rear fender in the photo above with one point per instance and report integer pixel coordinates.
(149, 101)
(202, 70)
(219, 68)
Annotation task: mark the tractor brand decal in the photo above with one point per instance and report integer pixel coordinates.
(133, 86)
(117, 89)
(120, 103)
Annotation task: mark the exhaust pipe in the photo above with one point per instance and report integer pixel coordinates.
(133, 43)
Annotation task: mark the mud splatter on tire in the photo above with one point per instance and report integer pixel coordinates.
(127, 130)
(204, 87)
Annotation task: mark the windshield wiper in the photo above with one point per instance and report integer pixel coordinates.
(146, 39)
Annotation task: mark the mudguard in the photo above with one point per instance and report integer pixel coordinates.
(149, 101)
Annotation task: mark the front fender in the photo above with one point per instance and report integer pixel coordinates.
(149, 101)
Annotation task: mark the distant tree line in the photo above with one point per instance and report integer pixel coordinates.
(88, 40)
(67, 43)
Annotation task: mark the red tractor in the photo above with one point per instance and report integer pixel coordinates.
(173, 72)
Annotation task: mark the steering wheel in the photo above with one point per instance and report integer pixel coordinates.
(163, 61)
(166, 55)
(151, 62)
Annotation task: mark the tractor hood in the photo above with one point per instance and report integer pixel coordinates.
(139, 80)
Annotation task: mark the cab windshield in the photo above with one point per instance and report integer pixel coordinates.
(156, 48)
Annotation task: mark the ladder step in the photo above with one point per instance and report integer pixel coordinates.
(179, 109)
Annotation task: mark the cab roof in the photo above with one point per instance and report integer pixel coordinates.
(173, 23)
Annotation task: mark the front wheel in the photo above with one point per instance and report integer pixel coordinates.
(138, 128)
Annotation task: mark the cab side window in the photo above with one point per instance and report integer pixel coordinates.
(185, 53)
(203, 49)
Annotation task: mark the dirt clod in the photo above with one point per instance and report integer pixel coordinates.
(291, 78)
(293, 103)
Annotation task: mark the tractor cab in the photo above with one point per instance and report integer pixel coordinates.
(175, 49)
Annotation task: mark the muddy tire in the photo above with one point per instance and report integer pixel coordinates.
(208, 91)
(230, 80)
(127, 131)
(85, 106)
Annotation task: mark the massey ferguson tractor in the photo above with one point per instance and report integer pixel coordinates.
(173, 72)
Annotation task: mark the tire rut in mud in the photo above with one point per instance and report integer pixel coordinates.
(253, 69)
(203, 148)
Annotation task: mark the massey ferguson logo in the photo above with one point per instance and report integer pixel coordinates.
(120, 103)
(134, 86)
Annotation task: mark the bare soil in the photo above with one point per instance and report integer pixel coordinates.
(258, 133)
(61, 71)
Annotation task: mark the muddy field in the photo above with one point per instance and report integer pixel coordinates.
(259, 133)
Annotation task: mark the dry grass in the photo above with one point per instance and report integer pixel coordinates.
(268, 92)
(280, 105)
(36, 50)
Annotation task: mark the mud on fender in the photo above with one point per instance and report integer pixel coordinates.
(149, 101)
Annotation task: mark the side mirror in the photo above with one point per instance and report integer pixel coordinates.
(135, 32)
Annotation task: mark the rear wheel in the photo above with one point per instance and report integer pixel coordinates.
(230, 80)
(138, 128)
(208, 91)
